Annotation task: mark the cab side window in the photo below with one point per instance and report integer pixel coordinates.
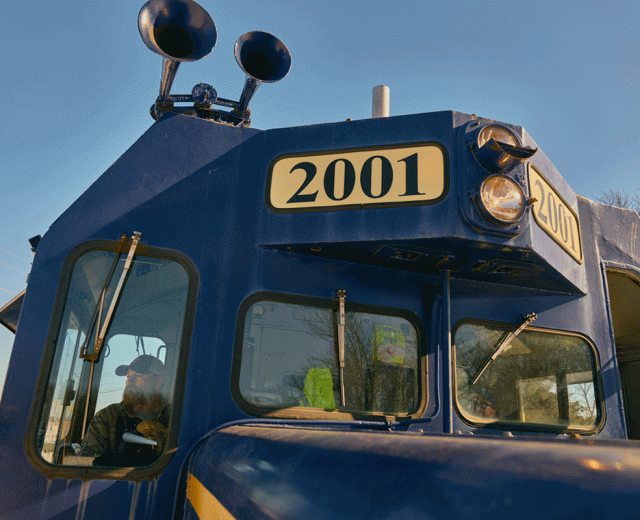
(111, 391)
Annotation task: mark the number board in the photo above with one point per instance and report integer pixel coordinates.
(358, 177)
(554, 215)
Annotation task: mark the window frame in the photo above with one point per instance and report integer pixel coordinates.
(524, 426)
(48, 355)
(309, 413)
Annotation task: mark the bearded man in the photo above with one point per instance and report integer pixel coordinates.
(118, 434)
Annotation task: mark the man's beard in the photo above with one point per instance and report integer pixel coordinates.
(135, 400)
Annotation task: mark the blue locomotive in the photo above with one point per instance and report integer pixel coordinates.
(408, 317)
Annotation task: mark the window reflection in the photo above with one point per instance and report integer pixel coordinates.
(541, 378)
(290, 358)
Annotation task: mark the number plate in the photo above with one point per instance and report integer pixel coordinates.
(355, 178)
(554, 215)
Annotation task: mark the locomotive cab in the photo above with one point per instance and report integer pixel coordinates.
(397, 317)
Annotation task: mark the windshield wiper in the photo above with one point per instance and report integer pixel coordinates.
(341, 344)
(100, 333)
(97, 313)
(503, 345)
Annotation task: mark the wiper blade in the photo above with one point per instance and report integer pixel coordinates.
(501, 346)
(96, 315)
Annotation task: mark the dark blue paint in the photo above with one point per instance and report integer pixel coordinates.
(273, 472)
(199, 188)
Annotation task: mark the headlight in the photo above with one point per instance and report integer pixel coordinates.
(498, 150)
(498, 134)
(501, 199)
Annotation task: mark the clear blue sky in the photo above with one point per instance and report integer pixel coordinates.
(77, 82)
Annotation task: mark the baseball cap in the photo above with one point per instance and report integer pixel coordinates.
(144, 364)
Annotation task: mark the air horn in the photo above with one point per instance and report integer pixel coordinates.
(182, 30)
(264, 59)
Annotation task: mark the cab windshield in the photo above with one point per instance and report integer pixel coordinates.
(541, 378)
(290, 359)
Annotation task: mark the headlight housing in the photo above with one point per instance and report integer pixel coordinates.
(501, 200)
(494, 196)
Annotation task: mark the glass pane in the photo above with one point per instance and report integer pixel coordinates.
(540, 378)
(121, 348)
(87, 410)
(290, 358)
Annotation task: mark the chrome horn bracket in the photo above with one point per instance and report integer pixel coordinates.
(203, 96)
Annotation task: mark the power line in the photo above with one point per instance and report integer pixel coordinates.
(18, 257)
(10, 292)
(9, 242)
(12, 267)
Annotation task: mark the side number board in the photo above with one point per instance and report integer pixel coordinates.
(405, 174)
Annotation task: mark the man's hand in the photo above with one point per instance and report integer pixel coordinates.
(155, 431)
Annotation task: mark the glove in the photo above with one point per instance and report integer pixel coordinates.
(155, 431)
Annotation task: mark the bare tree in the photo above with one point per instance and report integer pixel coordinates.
(620, 199)
(583, 408)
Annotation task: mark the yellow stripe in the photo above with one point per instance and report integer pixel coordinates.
(206, 506)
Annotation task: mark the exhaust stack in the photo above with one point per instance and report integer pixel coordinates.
(381, 95)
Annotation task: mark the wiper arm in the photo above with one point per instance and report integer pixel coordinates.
(341, 345)
(503, 345)
(116, 295)
(97, 316)
(97, 313)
